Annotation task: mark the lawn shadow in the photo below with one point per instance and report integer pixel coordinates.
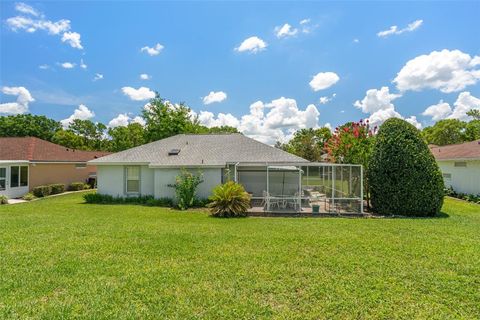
(441, 215)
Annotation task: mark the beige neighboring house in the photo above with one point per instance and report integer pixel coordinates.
(27, 162)
(460, 165)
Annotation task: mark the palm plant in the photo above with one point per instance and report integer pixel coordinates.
(229, 200)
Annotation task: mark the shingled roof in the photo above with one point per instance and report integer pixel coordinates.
(200, 150)
(463, 151)
(35, 149)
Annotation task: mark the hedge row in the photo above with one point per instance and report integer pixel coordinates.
(97, 198)
(46, 190)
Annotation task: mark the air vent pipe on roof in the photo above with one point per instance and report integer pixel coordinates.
(174, 152)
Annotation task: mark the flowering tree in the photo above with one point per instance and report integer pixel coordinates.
(352, 143)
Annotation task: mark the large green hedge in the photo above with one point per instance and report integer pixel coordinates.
(404, 177)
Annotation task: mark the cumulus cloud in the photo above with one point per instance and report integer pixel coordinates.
(285, 31)
(253, 44)
(447, 71)
(81, 113)
(267, 122)
(394, 29)
(154, 51)
(32, 20)
(21, 105)
(213, 96)
(442, 110)
(124, 119)
(326, 99)
(82, 64)
(98, 76)
(44, 66)
(73, 39)
(323, 80)
(145, 76)
(67, 65)
(413, 120)
(142, 93)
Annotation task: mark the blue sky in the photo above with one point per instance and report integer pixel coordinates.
(430, 60)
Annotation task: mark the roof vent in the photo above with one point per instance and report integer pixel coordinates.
(174, 152)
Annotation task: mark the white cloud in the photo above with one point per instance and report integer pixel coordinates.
(285, 31)
(356, 40)
(121, 120)
(376, 100)
(323, 80)
(73, 39)
(67, 65)
(82, 113)
(326, 99)
(153, 51)
(25, 8)
(267, 122)
(252, 44)
(44, 66)
(138, 120)
(305, 21)
(447, 71)
(394, 29)
(438, 111)
(212, 97)
(464, 103)
(145, 76)
(413, 120)
(380, 116)
(82, 64)
(21, 105)
(98, 76)
(142, 93)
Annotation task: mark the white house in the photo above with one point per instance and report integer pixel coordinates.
(460, 165)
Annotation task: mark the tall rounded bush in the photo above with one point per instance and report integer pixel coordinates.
(404, 177)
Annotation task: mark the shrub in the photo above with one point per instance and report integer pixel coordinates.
(57, 188)
(77, 186)
(42, 191)
(142, 200)
(28, 197)
(404, 177)
(229, 200)
(3, 200)
(185, 186)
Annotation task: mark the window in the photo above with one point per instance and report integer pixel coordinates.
(3, 178)
(132, 177)
(460, 164)
(447, 176)
(18, 176)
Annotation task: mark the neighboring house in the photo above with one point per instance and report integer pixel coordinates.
(27, 162)
(150, 169)
(460, 165)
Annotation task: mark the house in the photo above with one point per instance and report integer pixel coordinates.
(460, 165)
(27, 162)
(275, 178)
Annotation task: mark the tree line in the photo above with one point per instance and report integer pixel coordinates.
(162, 119)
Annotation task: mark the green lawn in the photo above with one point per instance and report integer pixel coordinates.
(60, 258)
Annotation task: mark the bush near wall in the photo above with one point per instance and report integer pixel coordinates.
(57, 188)
(404, 176)
(3, 200)
(97, 198)
(42, 191)
(464, 196)
(77, 186)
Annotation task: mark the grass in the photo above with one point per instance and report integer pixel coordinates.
(60, 258)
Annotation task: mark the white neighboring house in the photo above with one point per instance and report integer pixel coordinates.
(150, 169)
(460, 166)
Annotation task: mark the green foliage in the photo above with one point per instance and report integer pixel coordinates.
(307, 143)
(57, 188)
(229, 200)
(77, 186)
(404, 176)
(464, 196)
(474, 113)
(42, 191)
(472, 130)
(3, 199)
(448, 131)
(28, 196)
(126, 137)
(142, 200)
(27, 125)
(69, 139)
(92, 133)
(185, 186)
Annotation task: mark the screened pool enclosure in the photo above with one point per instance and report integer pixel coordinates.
(302, 188)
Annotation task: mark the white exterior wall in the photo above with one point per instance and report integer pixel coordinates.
(464, 179)
(164, 177)
(110, 180)
(15, 192)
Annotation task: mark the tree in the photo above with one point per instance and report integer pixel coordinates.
(222, 129)
(127, 137)
(68, 139)
(164, 119)
(404, 177)
(448, 131)
(472, 130)
(474, 113)
(307, 143)
(27, 125)
(93, 134)
(352, 143)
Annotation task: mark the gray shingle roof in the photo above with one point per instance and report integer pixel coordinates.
(207, 150)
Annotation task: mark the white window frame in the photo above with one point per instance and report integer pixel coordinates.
(126, 180)
(4, 179)
(19, 176)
